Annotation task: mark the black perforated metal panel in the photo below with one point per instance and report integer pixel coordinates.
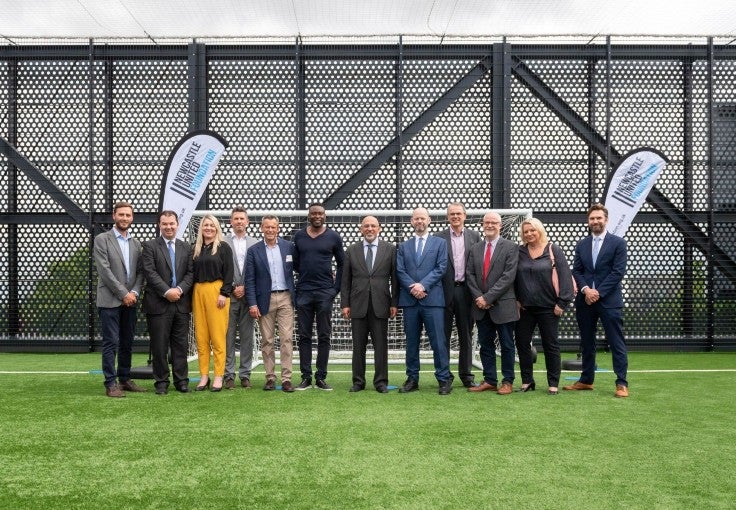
(303, 123)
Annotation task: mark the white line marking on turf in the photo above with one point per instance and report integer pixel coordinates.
(655, 371)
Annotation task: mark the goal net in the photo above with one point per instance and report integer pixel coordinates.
(395, 228)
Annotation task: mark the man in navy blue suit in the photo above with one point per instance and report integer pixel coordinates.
(598, 268)
(269, 292)
(421, 263)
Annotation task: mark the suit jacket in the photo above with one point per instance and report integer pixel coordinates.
(359, 284)
(500, 280)
(608, 272)
(471, 237)
(157, 271)
(239, 272)
(429, 271)
(258, 275)
(112, 281)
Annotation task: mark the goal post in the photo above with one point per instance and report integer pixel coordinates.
(395, 228)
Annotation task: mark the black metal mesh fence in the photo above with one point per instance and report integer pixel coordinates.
(372, 127)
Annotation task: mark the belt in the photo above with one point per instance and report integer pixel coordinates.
(459, 284)
(279, 291)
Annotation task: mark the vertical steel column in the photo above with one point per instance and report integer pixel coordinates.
(500, 127)
(608, 108)
(591, 120)
(197, 86)
(399, 109)
(13, 273)
(687, 309)
(710, 286)
(301, 127)
(91, 198)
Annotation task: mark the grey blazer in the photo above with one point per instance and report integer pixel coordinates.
(500, 280)
(112, 282)
(239, 272)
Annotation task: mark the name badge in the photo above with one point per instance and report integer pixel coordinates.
(288, 258)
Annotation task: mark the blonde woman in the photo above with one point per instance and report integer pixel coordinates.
(539, 303)
(213, 283)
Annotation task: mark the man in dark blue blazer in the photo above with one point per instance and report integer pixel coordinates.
(421, 263)
(167, 302)
(269, 292)
(598, 269)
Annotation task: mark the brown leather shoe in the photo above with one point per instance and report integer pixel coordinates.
(578, 386)
(269, 386)
(114, 391)
(245, 383)
(484, 386)
(130, 385)
(621, 391)
(229, 384)
(287, 387)
(506, 389)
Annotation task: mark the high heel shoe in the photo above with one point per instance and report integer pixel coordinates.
(215, 389)
(552, 391)
(203, 386)
(530, 387)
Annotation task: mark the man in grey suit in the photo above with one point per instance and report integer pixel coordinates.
(167, 301)
(239, 321)
(490, 275)
(369, 295)
(458, 303)
(118, 287)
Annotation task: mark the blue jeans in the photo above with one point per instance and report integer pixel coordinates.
(311, 305)
(118, 327)
(433, 319)
(487, 330)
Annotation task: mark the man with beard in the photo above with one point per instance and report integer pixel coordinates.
(119, 283)
(598, 269)
(316, 246)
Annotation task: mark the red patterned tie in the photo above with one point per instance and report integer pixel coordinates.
(487, 261)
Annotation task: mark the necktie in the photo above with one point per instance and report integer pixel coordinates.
(420, 243)
(369, 257)
(596, 249)
(172, 256)
(487, 261)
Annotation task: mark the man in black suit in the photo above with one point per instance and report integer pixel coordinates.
(167, 302)
(458, 302)
(598, 269)
(369, 296)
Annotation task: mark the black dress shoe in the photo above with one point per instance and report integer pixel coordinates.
(445, 387)
(356, 388)
(470, 384)
(382, 389)
(409, 386)
(162, 391)
(184, 388)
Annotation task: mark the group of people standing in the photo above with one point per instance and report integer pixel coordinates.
(457, 277)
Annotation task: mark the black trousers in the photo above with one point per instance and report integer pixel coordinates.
(460, 309)
(548, 322)
(169, 331)
(377, 328)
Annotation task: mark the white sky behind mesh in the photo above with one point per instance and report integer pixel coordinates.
(156, 19)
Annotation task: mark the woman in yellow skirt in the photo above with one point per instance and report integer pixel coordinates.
(213, 283)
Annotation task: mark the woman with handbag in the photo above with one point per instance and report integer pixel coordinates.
(544, 288)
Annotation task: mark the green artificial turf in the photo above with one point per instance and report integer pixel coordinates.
(670, 445)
